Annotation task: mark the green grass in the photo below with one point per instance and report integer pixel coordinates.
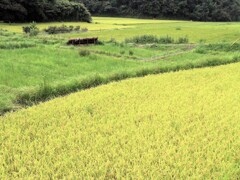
(34, 65)
(42, 67)
(182, 125)
(139, 51)
(36, 74)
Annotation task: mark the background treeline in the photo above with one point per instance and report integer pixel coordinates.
(42, 10)
(201, 10)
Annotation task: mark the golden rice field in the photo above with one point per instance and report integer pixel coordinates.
(170, 126)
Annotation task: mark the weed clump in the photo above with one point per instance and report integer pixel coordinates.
(77, 28)
(100, 42)
(62, 29)
(151, 39)
(166, 40)
(130, 53)
(84, 29)
(143, 39)
(84, 53)
(183, 40)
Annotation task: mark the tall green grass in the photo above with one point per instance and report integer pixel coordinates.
(225, 47)
(47, 91)
(149, 39)
(16, 45)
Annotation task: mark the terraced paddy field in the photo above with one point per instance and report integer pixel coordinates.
(120, 28)
(35, 69)
(174, 125)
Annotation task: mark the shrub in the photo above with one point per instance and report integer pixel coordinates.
(84, 29)
(64, 29)
(183, 40)
(143, 39)
(71, 28)
(121, 44)
(131, 53)
(51, 30)
(31, 30)
(100, 42)
(34, 32)
(61, 29)
(150, 39)
(26, 29)
(166, 40)
(77, 28)
(84, 52)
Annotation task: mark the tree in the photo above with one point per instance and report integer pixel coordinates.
(42, 10)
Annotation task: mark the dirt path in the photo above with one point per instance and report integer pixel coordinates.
(188, 49)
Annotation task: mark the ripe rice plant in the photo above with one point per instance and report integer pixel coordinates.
(182, 125)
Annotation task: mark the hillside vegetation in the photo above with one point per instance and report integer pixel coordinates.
(176, 125)
(201, 10)
(42, 10)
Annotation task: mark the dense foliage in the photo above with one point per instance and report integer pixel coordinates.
(42, 10)
(61, 29)
(203, 10)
